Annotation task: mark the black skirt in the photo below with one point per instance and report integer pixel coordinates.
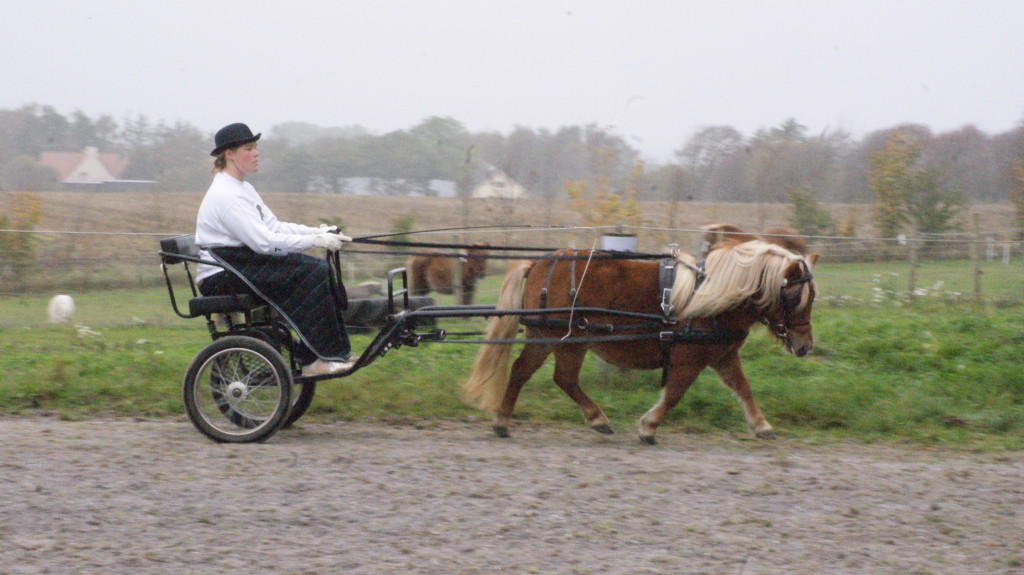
(299, 287)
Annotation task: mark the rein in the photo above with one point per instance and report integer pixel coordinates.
(452, 229)
(598, 254)
(376, 239)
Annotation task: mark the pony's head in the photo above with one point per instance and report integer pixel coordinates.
(789, 319)
(776, 282)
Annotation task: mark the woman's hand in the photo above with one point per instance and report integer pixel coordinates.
(329, 241)
(326, 229)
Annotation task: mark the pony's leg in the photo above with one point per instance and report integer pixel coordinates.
(529, 361)
(680, 378)
(417, 279)
(730, 371)
(568, 362)
(467, 294)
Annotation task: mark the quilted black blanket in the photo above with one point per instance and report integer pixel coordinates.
(299, 287)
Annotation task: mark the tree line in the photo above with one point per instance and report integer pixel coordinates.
(925, 172)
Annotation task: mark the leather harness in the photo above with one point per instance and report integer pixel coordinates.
(666, 328)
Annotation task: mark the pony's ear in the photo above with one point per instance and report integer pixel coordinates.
(793, 271)
(811, 259)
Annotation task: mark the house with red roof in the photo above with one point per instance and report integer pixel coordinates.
(91, 169)
(89, 166)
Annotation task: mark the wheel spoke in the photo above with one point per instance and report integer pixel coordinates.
(236, 394)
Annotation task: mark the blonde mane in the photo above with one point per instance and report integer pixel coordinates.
(735, 273)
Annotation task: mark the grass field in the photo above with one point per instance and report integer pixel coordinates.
(928, 372)
(951, 282)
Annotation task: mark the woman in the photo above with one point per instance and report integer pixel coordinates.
(261, 254)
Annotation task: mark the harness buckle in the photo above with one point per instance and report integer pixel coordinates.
(666, 305)
(666, 336)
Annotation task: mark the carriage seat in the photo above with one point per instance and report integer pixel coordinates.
(175, 250)
(180, 249)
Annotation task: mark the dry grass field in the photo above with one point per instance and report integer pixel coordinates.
(175, 212)
(109, 239)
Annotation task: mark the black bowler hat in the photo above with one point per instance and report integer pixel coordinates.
(232, 135)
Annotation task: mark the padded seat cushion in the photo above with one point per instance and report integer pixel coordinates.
(221, 304)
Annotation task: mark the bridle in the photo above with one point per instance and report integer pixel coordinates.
(789, 303)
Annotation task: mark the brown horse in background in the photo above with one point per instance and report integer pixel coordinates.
(428, 273)
(745, 283)
(785, 237)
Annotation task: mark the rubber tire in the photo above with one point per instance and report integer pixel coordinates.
(302, 398)
(232, 426)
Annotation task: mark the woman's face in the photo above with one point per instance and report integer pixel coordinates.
(244, 158)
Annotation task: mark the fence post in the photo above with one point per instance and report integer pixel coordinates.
(912, 243)
(975, 257)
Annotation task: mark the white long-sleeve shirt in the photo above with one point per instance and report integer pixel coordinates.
(233, 215)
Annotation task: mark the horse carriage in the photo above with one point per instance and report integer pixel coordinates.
(639, 311)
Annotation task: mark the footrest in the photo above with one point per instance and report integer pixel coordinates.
(221, 304)
(367, 314)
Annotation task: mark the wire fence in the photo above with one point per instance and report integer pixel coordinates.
(116, 280)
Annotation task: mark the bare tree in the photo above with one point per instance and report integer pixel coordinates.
(705, 154)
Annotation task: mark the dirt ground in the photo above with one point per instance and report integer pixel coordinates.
(140, 497)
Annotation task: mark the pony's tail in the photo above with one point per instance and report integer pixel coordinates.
(488, 379)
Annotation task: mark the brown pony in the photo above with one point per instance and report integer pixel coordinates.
(745, 283)
(785, 237)
(436, 272)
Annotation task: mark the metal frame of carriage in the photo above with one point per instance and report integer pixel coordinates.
(245, 385)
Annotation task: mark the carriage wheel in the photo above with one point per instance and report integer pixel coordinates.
(302, 397)
(302, 393)
(238, 390)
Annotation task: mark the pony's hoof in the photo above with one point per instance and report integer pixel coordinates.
(648, 439)
(501, 431)
(767, 434)
(603, 428)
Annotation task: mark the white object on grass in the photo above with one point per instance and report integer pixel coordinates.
(60, 308)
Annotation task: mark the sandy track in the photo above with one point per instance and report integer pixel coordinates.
(141, 497)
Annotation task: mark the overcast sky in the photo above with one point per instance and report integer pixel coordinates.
(652, 71)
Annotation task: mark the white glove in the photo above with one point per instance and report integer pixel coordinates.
(328, 241)
(326, 229)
